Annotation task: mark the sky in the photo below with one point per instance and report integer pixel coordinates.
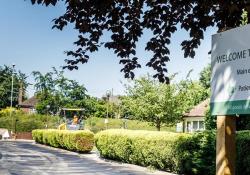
(28, 41)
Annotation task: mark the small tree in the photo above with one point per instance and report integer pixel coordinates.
(149, 100)
(20, 85)
(53, 89)
(205, 76)
(193, 93)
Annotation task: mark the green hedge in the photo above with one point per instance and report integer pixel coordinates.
(80, 141)
(243, 150)
(174, 152)
(179, 153)
(26, 122)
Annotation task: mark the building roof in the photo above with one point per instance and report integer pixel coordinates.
(115, 99)
(31, 102)
(199, 110)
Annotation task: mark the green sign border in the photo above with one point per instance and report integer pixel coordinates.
(230, 107)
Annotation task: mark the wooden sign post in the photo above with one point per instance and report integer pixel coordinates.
(225, 145)
(230, 91)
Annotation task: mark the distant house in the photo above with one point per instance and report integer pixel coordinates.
(194, 120)
(28, 106)
(115, 99)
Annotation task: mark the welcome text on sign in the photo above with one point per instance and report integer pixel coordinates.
(233, 56)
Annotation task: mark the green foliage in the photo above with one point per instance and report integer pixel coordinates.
(174, 152)
(53, 89)
(203, 154)
(8, 110)
(180, 153)
(19, 80)
(97, 124)
(192, 93)
(210, 120)
(151, 101)
(205, 76)
(126, 21)
(161, 104)
(80, 141)
(243, 149)
(26, 122)
(96, 107)
(244, 17)
(243, 122)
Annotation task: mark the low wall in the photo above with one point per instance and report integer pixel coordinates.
(24, 135)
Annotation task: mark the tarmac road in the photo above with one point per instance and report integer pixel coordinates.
(29, 158)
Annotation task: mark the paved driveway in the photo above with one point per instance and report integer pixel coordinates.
(28, 158)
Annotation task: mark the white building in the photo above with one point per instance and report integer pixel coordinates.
(195, 119)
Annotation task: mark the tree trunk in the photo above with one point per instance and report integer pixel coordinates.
(158, 125)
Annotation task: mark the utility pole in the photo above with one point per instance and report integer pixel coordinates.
(108, 93)
(11, 96)
(12, 82)
(47, 107)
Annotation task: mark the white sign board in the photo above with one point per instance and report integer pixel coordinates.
(230, 84)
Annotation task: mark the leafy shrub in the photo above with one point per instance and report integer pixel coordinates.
(164, 150)
(26, 122)
(181, 153)
(80, 141)
(243, 149)
(210, 120)
(8, 110)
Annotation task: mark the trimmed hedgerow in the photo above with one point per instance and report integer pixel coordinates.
(243, 150)
(174, 152)
(80, 141)
(180, 153)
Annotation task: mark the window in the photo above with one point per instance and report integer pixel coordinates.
(195, 125)
(189, 126)
(201, 125)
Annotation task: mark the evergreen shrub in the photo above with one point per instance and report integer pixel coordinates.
(80, 141)
(173, 152)
(24, 122)
(192, 154)
(243, 150)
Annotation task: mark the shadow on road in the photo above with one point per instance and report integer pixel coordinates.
(27, 158)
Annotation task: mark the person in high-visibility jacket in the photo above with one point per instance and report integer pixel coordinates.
(75, 120)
